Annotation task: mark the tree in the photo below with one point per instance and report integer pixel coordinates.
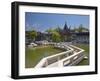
(58, 29)
(56, 37)
(31, 35)
(81, 28)
(49, 30)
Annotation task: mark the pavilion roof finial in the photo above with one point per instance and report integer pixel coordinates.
(65, 26)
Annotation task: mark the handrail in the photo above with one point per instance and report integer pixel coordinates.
(61, 62)
(44, 61)
(58, 54)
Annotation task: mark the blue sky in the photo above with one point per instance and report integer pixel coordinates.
(44, 21)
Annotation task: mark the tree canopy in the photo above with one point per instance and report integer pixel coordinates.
(31, 34)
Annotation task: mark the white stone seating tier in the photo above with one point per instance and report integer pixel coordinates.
(72, 56)
(32, 45)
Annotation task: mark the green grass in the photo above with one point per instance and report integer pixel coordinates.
(86, 48)
(35, 54)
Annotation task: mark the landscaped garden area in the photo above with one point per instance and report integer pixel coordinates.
(35, 54)
(40, 36)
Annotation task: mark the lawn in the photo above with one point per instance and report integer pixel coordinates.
(86, 48)
(35, 54)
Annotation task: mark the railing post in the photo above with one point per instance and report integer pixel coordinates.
(67, 54)
(58, 58)
(46, 62)
(60, 64)
(71, 60)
